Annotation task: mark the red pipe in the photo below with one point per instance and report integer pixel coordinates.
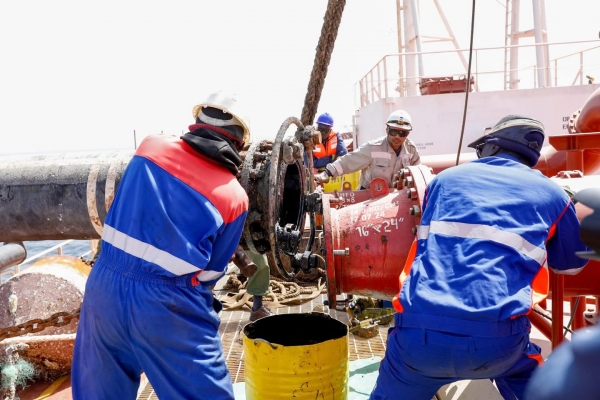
(542, 324)
(551, 161)
(557, 290)
(589, 118)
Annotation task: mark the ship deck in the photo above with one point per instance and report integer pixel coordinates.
(364, 355)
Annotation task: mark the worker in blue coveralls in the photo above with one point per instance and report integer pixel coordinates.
(331, 147)
(174, 224)
(490, 229)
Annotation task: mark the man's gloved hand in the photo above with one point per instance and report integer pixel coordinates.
(322, 177)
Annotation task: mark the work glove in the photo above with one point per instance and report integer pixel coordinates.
(322, 177)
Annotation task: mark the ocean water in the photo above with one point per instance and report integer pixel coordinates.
(46, 248)
(75, 248)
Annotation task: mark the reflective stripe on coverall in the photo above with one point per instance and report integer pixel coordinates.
(175, 222)
(489, 230)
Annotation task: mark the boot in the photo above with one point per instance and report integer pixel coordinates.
(262, 312)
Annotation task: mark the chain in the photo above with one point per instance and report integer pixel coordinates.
(38, 325)
(331, 23)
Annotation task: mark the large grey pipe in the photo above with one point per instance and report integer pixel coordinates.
(58, 197)
(12, 254)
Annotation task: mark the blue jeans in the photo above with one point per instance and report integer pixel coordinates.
(419, 361)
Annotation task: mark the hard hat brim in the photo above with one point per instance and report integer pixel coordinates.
(400, 127)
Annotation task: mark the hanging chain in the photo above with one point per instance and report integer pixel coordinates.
(38, 325)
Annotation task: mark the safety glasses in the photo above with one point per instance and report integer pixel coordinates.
(324, 128)
(478, 149)
(398, 132)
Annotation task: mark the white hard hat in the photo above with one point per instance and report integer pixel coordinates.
(399, 119)
(227, 102)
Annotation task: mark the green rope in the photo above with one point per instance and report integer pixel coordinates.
(16, 374)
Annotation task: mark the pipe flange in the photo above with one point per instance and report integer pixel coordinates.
(572, 125)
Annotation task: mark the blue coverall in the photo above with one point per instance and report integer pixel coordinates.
(489, 230)
(175, 222)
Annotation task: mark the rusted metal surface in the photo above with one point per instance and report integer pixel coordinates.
(37, 324)
(58, 197)
(50, 354)
(274, 177)
(54, 197)
(51, 285)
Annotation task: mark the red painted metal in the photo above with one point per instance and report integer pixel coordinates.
(588, 118)
(378, 233)
(557, 290)
(585, 283)
(551, 160)
(350, 197)
(446, 84)
(542, 324)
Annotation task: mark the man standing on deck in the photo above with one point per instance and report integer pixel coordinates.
(331, 147)
(489, 231)
(175, 222)
(379, 158)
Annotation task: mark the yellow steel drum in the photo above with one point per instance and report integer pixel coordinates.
(296, 356)
(341, 182)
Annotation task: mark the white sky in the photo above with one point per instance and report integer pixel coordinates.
(83, 75)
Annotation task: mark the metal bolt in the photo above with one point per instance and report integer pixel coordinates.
(415, 210)
(412, 193)
(409, 181)
(344, 253)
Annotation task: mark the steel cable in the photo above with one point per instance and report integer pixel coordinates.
(462, 130)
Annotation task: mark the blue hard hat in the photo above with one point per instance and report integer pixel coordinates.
(325, 119)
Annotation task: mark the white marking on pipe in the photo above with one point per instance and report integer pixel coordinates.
(109, 189)
(91, 198)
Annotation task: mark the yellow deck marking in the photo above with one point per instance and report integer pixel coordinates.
(52, 388)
